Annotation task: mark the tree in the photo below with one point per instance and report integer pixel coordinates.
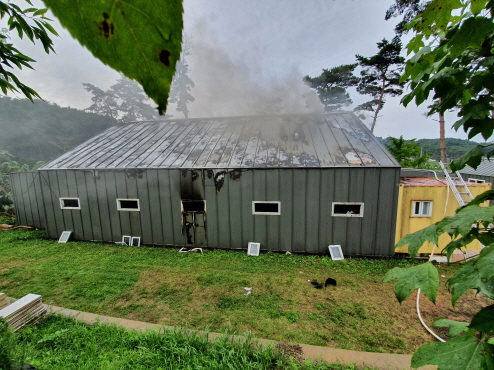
(380, 76)
(331, 86)
(18, 19)
(409, 9)
(456, 66)
(44, 131)
(104, 101)
(125, 100)
(8, 165)
(407, 152)
(182, 84)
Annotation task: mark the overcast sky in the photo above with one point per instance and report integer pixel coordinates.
(244, 52)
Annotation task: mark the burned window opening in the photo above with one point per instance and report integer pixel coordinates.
(69, 203)
(193, 206)
(348, 209)
(128, 204)
(266, 208)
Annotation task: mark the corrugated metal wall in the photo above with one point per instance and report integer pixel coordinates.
(306, 196)
(28, 199)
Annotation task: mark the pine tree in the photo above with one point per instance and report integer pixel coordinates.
(331, 86)
(182, 83)
(125, 100)
(380, 76)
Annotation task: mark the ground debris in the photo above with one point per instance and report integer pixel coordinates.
(12, 227)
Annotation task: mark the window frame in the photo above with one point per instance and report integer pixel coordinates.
(339, 255)
(477, 181)
(266, 213)
(253, 249)
(62, 206)
(421, 208)
(361, 214)
(65, 236)
(119, 208)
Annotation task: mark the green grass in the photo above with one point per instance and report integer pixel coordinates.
(159, 285)
(62, 343)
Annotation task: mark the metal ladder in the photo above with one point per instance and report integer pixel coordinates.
(457, 186)
(463, 196)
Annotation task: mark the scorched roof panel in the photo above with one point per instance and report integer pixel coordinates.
(279, 141)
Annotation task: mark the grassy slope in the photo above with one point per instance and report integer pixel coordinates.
(206, 291)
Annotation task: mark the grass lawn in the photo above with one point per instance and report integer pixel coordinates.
(159, 285)
(61, 343)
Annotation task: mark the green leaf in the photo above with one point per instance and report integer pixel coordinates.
(483, 197)
(476, 6)
(484, 320)
(473, 158)
(437, 13)
(461, 223)
(455, 327)
(475, 274)
(457, 244)
(465, 352)
(424, 276)
(418, 238)
(472, 33)
(415, 44)
(140, 38)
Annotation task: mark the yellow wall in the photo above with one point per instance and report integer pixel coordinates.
(444, 204)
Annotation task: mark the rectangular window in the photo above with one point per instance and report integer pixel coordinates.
(193, 206)
(477, 181)
(348, 209)
(69, 203)
(128, 204)
(266, 208)
(422, 208)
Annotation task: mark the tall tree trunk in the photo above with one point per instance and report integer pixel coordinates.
(442, 140)
(380, 105)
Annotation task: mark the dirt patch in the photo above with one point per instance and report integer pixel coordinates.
(291, 350)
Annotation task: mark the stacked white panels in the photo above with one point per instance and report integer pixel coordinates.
(27, 310)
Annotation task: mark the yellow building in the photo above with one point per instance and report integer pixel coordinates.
(422, 201)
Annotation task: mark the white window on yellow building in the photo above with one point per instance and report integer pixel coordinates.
(422, 208)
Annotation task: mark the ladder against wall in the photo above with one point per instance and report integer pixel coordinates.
(457, 186)
(460, 190)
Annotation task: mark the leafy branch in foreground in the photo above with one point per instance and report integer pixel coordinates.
(142, 39)
(454, 62)
(21, 20)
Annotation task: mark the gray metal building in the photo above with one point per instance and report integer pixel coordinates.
(290, 182)
(483, 173)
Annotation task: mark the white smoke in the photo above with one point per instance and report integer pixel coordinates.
(226, 86)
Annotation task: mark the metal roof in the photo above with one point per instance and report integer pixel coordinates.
(276, 141)
(485, 168)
